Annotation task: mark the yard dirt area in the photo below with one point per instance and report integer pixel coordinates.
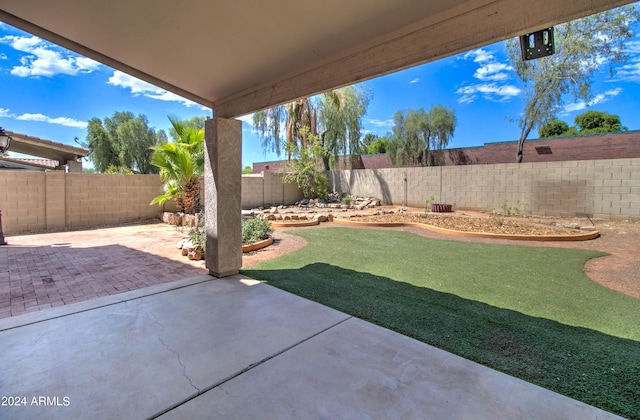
(619, 271)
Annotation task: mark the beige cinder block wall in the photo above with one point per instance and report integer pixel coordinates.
(96, 199)
(22, 200)
(39, 201)
(267, 188)
(608, 188)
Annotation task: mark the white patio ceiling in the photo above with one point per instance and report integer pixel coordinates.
(240, 56)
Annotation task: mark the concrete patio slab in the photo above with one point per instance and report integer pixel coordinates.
(137, 358)
(357, 370)
(236, 348)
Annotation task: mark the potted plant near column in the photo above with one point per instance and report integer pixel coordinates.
(197, 242)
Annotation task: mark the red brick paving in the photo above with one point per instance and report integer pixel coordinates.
(53, 269)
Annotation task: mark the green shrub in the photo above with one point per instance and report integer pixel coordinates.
(113, 169)
(347, 200)
(256, 229)
(304, 170)
(198, 237)
(427, 204)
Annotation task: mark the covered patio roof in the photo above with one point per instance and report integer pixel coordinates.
(239, 57)
(35, 146)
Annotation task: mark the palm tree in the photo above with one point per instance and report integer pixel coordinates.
(336, 115)
(181, 165)
(299, 118)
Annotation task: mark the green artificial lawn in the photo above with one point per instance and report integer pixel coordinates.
(527, 311)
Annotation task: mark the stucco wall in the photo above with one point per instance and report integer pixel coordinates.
(607, 188)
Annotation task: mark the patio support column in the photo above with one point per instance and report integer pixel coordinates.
(222, 194)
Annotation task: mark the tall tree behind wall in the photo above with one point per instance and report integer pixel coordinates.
(340, 120)
(336, 114)
(123, 141)
(419, 136)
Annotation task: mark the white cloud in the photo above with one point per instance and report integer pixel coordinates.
(490, 91)
(22, 43)
(632, 47)
(3, 56)
(46, 59)
(379, 123)
(140, 87)
(613, 92)
(630, 72)
(136, 85)
(479, 56)
(597, 99)
(66, 121)
(416, 80)
(493, 72)
(576, 106)
(494, 76)
(247, 118)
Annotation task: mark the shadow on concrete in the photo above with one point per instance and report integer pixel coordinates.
(584, 364)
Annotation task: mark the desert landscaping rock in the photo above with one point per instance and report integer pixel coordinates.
(491, 225)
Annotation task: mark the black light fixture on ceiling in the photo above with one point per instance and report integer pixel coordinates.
(5, 141)
(537, 44)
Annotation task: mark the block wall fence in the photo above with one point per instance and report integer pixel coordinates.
(54, 200)
(607, 188)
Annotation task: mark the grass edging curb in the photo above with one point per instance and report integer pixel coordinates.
(257, 245)
(579, 237)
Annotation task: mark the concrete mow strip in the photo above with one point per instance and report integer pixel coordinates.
(138, 358)
(357, 370)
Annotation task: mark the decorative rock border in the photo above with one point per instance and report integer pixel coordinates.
(257, 245)
(579, 237)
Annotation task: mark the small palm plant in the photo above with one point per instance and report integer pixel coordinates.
(181, 164)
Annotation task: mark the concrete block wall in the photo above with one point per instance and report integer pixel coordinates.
(265, 189)
(22, 200)
(252, 191)
(40, 201)
(607, 188)
(95, 199)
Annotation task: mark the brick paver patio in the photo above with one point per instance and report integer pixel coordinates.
(53, 269)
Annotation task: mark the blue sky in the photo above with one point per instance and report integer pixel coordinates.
(51, 93)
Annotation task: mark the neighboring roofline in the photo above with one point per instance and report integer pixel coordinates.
(571, 136)
(43, 148)
(25, 165)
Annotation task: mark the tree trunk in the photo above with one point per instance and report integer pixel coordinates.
(191, 196)
(325, 158)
